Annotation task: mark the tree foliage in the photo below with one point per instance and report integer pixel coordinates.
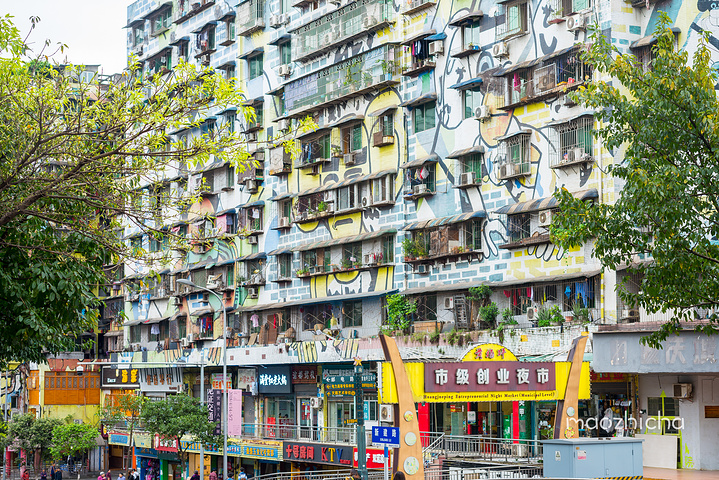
(72, 439)
(31, 434)
(665, 222)
(126, 411)
(81, 160)
(177, 416)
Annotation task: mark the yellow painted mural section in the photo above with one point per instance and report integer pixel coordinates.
(89, 414)
(415, 372)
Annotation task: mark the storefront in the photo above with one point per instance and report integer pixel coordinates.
(340, 396)
(118, 381)
(148, 463)
(304, 383)
(275, 385)
(489, 393)
(167, 453)
(119, 445)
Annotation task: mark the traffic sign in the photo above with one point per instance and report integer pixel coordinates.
(386, 436)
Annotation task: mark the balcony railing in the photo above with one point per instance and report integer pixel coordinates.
(353, 77)
(340, 26)
(346, 435)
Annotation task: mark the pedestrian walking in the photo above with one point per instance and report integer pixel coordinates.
(120, 476)
(196, 476)
(101, 476)
(108, 475)
(135, 475)
(58, 473)
(43, 474)
(243, 475)
(213, 475)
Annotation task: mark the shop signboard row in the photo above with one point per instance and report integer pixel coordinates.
(495, 376)
(141, 440)
(339, 382)
(327, 454)
(120, 377)
(261, 450)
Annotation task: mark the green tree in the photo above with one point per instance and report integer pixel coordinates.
(32, 435)
(81, 160)
(126, 411)
(663, 119)
(177, 416)
(72, 439)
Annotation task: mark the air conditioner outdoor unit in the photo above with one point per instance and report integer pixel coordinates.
(349, 159)
(327, 39)
(284, 18)
(386, 413)
(136, 347)
(500, 50)
(505, 171)
(683, 390)
(190, 337)
(252, 240)
(580, 154)
(173, 37)
(532, 313)
(545, 218)
(449, 303)
(284, 222)
(274, 21)
(284, 71)
(283, 124)
(251, 136)
(368, 22)
(422, 269)
(315, 402)
(251, 185)
(436, 47)
(577, 22)
(184, 342)
(467, 178)
(252, 292)
(419, 189)
(138, 50)
(482, 113)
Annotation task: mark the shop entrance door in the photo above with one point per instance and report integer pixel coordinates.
(307, 420)
(341, 414)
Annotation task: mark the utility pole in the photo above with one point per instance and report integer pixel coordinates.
(359, 412)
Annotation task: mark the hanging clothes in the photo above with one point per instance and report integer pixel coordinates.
(155, 329)
(255, 319)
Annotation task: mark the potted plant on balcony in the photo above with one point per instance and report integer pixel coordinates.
(322, 207)
(346, 264)
(409, 249)
(303, 272)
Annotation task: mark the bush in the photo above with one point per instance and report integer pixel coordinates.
(489, 313)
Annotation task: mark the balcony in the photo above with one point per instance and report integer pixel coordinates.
(340, 26)
(187, 9)
(344, 435)
(418, 67)
(255, 280)
(364, 73)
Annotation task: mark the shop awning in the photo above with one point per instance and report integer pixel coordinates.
(544, 203)
(343, 240)
(438, 222)
(433, 158)
(650, 40)
(466, 151)
(421, 100)
(339, 297)
(468, 84)
(418, 36)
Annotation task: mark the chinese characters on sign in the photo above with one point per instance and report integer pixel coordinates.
(274, 380)
(119, 377)
(160, 379)
(214, 409)
(163, 444)
(217, 381)
(313, 453)
(339, 382)
(234, 412)
(494, 376)
(304, 374)
(385, 435)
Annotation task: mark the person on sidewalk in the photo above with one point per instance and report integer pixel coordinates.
(196, 476)
(243, 475)
(58, 473)
(108, 475)
(43, 474)
(213, 475)
(101, 476)
(134, 474)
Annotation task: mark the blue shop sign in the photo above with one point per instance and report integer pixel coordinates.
(145, 452)
(386, 435)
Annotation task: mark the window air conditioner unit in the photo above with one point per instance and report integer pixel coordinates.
(349, 158)
(386, 413)
(190, 337)
(481, 113)
(419, 189)
(577, 22)
(436, 47)
(283, 124)
(532, 313)
(422, 269)
(545, 218)
(251, 185)
(284, 71)
(467, 178)
(682, 390)
(138, 50)
(284, 222)
(251, 136)
(500, 50)
(253, 292)
(505, 171)
(315, 402)
(252, 240)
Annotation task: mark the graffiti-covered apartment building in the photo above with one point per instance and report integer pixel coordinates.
(443, 129)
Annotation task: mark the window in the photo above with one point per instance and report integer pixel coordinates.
(230, 29)
(285, 208)
(472, 232)
(470, 35)
(518, 227)
(388, 249)
(182, 327)
(352, 314)
(230, 120)
(136, 244)
(663, 410)
(256, 123)
(208, 128)
(183, 49)
(285, 53)
(284, 263)
(352, 255)
(426, 308)
(138, 34)
(155, 244)
(572, 142)
(285, 6)
(472, 101)
(450, 239)
(472, 163)
(316, 148)
(135, 334)
(160, 63)
(154, 335)
(348, 197)
(513, 158)
(206, 40)
(424, 117)
(161, 21)
(383, 189)
(252, 217)
(422, 175)
(229, 72)
(254, 65)
(309, 206)
(515, 20)
(317, 261)
(352, 138)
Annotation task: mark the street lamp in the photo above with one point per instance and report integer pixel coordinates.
(224, 371)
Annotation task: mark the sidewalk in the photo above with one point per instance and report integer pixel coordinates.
(671, 474)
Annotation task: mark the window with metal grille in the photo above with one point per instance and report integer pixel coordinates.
(161, 21)
(426, 308)
(316, 316)
(518, 227)
(423, 175)
(515, 20)
(351, 254)
(513, 156)
(352, 314)
(316, 148)
(383, 189)
(572, 142)
(472, 163)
